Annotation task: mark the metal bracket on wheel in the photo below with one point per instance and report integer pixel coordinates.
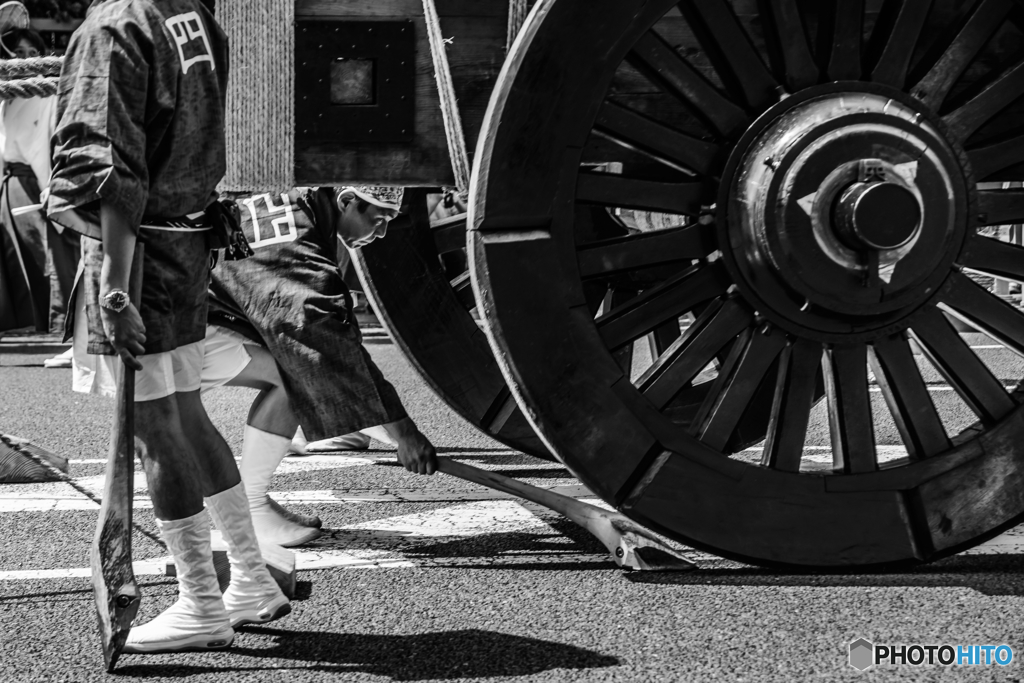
(632, 547)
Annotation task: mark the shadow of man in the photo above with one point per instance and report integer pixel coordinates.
(468, 653)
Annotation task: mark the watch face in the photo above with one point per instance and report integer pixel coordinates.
(116, 301)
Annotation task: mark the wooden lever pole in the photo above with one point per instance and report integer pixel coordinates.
(632, 546)
(113, 580)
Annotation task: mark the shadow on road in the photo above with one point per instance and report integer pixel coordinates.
(987, 574)
(444, 655)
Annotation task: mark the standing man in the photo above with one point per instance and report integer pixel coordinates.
(281, 321)
(140, 144)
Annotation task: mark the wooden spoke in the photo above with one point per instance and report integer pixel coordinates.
(995, 157)
(681, 362)
(987, 17)
(606, 189)
(798, 63)
(738, 380)
(961, 367)
(730, 51)
(663, 336)
(973, 303)
(500, 410)
(654, 139)
(1001, 207)
(845, 47)
(656, 59)
(894, 62)
(665, 302)
(849, 409)
(449, 234)
(595, 293)
(606, 257)
(791, 408)
(463, 288)
(991, 256)
(989, 102)
(907, 396)
(623, 356)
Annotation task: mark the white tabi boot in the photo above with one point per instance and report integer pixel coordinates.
(198, 620)
(253, 597)
(262, 453)
(356, 441)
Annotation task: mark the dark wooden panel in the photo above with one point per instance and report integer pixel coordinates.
(475, 57)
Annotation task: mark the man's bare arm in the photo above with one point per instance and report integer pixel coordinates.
(415, 451)
(125, 330)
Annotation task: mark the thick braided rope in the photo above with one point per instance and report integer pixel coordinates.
(37, 66)
(36, 86)
(72, 483)
(24, 78)
(260, 121)
(449, 103)
(517, 11)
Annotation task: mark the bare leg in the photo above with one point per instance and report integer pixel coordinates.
(268, 433)
(213, 456)
(176, 484)
(271, 411)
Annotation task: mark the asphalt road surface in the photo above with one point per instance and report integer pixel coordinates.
(435, 579)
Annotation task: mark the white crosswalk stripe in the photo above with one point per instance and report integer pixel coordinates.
(401, 541)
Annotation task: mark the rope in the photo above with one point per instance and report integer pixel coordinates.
(260, 117)
(73, 484)
(36, 86)
(517, 11)
(449, 103)
(37, 66)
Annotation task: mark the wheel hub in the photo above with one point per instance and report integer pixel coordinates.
(877, 216)
(827, 228)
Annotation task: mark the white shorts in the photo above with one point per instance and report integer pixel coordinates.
(225, 356)
(204, 365)
(162, 374)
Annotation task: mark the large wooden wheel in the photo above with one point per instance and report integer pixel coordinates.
(828, 161)
(427, 311)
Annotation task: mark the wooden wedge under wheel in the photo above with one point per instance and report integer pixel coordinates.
(427, 311)
(832, 166)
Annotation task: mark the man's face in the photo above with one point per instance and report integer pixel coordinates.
(357, 229)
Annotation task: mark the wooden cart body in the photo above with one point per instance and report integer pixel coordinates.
(634, 183)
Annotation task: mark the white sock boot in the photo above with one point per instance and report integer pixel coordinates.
(356, 441)
(299, 442)
(198, 620)
(253, 596)
(380, 434)
(262, 452)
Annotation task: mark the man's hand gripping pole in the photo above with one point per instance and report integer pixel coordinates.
(632, 546)
(113, 580)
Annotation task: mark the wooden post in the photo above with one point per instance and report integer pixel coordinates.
(113, 580)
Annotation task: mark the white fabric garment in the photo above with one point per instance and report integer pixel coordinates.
(27, 125)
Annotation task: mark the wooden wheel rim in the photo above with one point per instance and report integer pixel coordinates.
(429, 319)
(526, 266)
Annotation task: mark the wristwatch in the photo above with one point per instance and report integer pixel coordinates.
(116, 300)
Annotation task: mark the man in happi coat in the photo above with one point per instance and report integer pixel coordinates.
(281, 321)
(138, 152)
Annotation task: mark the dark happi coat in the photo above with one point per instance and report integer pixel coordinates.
(293, 296)
(140, 126)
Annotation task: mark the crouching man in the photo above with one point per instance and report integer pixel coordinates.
(281, 321)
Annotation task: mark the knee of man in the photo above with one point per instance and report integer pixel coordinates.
(262, 367)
